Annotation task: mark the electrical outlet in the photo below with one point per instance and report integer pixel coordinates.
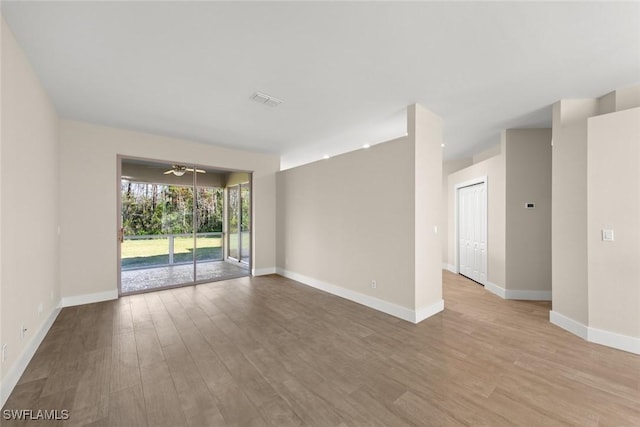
(4, 352)
(40, 309)
(374, 284)
(23, 331)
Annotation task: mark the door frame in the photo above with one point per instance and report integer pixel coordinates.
(250, 186)
(474, 181)
(118, 182)
(226, 256)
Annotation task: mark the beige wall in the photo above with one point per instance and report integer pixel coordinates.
(494, 169)
(155, 175)
(569, 207)
(606, 104)
(596, 158)
(614, 203)
(425, 129)
(628, 97)
(236, 178)
(369, 215)
(29, 199)
(88, 163)
(618, 100)
(528, 231)
(349, 219)
(488, 153)
(518, 240)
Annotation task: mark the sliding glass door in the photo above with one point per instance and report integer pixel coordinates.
(176, 225)
(209, 235)
(239, 221)
(233, 221)
(245, 222)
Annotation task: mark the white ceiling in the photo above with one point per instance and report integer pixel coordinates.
(345, 70)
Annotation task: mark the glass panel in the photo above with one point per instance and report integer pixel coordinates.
(144, 251)
(157, 241)
(245, 226)
(233, 217)
(209, 215)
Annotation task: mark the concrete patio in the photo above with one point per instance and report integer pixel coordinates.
(158, 277)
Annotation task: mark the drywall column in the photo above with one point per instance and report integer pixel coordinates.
(569, 214)
(528, 229)
(425, 133)
(596, 158)
(613, 182)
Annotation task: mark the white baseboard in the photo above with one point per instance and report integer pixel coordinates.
(426, 312)
(615, 340)
(568, 324)
(15, 372)
(264, 271)
(495, 289)
(89, 298)
(515, 294)
(449, 267)
(528, 295)
(366, 300)
(595, 335)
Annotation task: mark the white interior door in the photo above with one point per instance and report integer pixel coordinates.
(472, 232)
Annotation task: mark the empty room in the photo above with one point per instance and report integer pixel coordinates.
(320, 213)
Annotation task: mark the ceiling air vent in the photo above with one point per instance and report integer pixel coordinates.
(265, 99)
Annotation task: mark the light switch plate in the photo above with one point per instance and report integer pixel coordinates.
(607, 235)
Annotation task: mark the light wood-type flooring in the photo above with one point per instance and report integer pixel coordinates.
(269, 351)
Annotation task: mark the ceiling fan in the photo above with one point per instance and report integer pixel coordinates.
(179, 170)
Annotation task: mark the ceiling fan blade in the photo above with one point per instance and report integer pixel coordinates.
(194, 170)
(168, 172)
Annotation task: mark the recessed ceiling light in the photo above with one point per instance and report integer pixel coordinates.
(265, 99)
(326, 156)
(366, 146)
(441, 145)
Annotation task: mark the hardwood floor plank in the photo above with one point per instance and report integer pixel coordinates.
(161, 398)
(197, 403)
(140, 314)
(125, 369)
(310, 407)
(270, 351)
(148, 347)
(127, 408)
(278, 413)
(92, 392)
(422, 412)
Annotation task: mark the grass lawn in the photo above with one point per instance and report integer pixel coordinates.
(152, 252)
(246, 240)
